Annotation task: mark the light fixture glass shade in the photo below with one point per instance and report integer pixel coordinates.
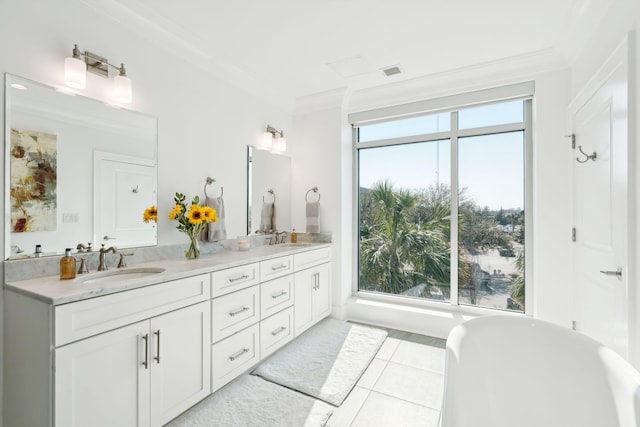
(266, 141)
(122, 89)
(280, 144)
(75, 73)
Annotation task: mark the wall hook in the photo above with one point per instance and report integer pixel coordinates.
(587, 156)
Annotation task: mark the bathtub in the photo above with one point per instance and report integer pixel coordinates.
(507, 371)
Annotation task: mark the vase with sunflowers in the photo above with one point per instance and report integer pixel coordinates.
(192, 220)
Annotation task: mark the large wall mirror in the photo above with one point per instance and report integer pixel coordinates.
(77, 171)
(269, 192)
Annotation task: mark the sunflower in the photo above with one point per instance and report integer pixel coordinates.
(209, 214)
(150, 214)
(177, 209)
(195, 215)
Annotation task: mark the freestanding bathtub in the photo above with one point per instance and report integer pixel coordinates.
(507, 371)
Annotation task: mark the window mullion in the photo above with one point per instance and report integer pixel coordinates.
(454, 210)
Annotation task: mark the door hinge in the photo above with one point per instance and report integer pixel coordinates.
(573, 140)
(573, 234)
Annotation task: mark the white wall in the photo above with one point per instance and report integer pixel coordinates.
(205, 122)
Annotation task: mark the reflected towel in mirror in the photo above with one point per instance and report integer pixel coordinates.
(313, 217)
(215, 231)
(268, 218)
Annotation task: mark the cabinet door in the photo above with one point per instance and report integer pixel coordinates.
(322, 292)
(304, 282)
(180, 361)
(102, 381)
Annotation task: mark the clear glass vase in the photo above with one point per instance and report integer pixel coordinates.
(193, 252)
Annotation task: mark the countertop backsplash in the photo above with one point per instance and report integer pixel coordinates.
(32, 268)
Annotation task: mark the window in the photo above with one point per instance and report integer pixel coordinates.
(441, 205)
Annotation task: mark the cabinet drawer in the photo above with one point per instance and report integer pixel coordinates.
(277, 267)
(232, 356)
(276, 295)
(234, 279)
(82, 319)
(276, 331)
(233, 312)
(311, 258)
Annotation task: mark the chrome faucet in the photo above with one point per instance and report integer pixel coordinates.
(103, 265)
(283, 237)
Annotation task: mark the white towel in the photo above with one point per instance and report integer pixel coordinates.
(215, 231)
(313, 217)
(268, 218)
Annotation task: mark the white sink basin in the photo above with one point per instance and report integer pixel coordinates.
(120, 274)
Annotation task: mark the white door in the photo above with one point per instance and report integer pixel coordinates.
(304, 282)
(321, 294)
(600, 209)
(180, 358)
(101, 381)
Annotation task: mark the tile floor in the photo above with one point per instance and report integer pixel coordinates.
(403, 385)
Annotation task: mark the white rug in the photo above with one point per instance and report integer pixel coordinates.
(251, 401)
(326, 361)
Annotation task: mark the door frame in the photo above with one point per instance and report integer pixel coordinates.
(622, 56)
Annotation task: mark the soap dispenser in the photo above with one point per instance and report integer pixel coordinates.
(67, 266)
(294, 236)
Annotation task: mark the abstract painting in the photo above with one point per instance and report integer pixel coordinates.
(33, 181)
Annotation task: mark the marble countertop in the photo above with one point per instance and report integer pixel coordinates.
(54, 291)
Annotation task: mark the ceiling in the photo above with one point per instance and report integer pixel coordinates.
(301, 47)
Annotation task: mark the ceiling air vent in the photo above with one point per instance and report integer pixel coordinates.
(390, 71)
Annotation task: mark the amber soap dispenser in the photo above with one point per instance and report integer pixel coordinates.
(67, 266)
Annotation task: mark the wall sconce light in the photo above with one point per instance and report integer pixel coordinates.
(76, 67)
(273, 140)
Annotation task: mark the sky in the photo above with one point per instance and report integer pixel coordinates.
(491, 167)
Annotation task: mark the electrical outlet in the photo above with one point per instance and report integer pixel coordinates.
(69, 218)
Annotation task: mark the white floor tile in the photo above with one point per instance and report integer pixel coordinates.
(373, 372)
(380, 410)
(345, 413)
(420, 356)
(412, 384)
(388, 348)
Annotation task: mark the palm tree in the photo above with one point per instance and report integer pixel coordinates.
(396, 253)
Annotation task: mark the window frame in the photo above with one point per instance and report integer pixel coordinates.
(522, 92)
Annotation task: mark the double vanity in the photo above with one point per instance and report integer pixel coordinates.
(139, 346)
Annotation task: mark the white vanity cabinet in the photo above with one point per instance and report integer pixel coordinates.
(312, 288)
(138, 375)
(133, 358)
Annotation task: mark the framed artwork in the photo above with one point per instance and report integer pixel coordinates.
(33, 169)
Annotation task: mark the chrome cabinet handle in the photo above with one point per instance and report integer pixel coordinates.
(238, 311)
(617, 273)
(279, 330)
(235, 279)
(282, 293)
(278, 267)
(238, 354)
(145, 338)
(157, 358)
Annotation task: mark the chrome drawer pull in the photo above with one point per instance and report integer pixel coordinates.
(238, 311)
(235, 279)
(279, 330)
(145, 338)
(274, 296)
(279, 267)
(238, 354)
(157, 334)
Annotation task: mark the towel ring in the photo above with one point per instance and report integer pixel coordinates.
(273, 194)
(315, 190)
(209, 182)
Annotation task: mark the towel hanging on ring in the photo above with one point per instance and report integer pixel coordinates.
(313, 212)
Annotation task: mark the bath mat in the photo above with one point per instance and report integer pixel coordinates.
(251, 401)
(326, 361)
